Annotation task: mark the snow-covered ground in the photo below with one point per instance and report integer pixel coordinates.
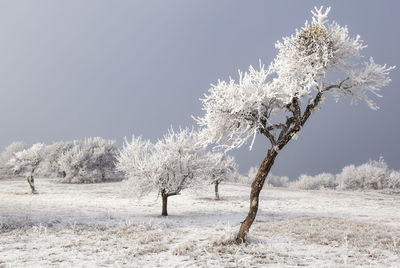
(99, 225)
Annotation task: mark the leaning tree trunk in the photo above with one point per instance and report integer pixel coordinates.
(256, 188)
(164, 204)
(216, 190)
(31, 182)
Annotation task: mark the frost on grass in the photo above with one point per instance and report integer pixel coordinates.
(99, 244)
(366, 238)
(295, 242)
(77, 225)
(330, 241)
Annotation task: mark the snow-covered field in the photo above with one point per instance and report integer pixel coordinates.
(99, 225)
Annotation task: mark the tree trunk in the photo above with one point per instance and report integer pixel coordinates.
(164, 204)
(216, 190)
(256, 188)
(31, 182)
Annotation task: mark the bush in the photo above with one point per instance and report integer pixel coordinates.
(271, 181)
(92, 160)
(369, 176)
(394, 180)
(6, 170)
(277, 181)
(320, 181)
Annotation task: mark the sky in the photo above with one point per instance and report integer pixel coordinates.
(76, 69)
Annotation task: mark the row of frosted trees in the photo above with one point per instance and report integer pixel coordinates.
(275, 101)
(92, 159)
(174, 163)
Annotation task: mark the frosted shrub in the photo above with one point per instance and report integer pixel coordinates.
(271, 181)
(90, 161)
(394, 180)
(9, 152)
(251, 174)
(240, 178)
(320, 181)
(277, 181)
(247, 178)
(371, 175)
(51, 166)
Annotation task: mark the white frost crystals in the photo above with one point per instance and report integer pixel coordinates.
(235, 111)
(319, 57)
(371, 77)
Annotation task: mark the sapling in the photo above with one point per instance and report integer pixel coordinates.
(27, 161)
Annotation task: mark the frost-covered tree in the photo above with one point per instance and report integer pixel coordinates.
(8, 153)
(27, 161)
(103, 155)
(394, 179)
(277, 101)
(73, 162)
(219, 167)
(92, 160)
(52, 154)
(172, 164)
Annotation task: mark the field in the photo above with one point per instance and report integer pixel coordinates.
(99, 225)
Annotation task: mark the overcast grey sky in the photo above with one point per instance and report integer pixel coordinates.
(74, 69)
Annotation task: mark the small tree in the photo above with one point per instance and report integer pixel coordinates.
(220, 166)
(73, 162)
(8, 153)
(102, 159)
(171, 165)
(277, 101)
(394, 179)
(90, 161)
(27, 161)
(52, 154)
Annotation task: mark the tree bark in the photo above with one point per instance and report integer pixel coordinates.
(216, 190)
(164, 204)
(256, 188)
(31, 182)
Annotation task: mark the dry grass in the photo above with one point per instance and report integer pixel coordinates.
(362, 236)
